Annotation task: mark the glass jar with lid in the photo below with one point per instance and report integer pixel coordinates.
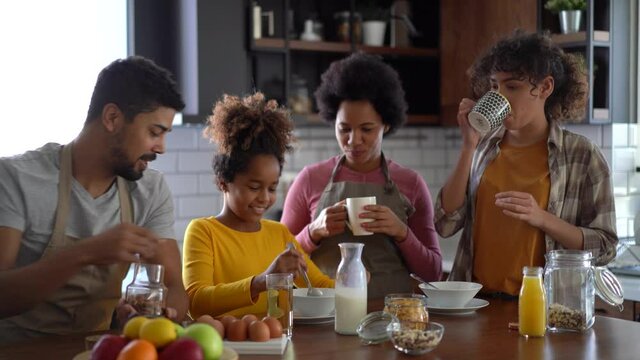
(146, 292)
(410, 309)
(571, 282)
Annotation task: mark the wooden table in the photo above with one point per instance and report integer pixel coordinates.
(482, 335)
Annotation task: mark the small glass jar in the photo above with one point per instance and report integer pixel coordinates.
(571, 283)
(343, 26)
(410, 309)
(146, 292)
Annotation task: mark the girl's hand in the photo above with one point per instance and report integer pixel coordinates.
(289, 261)
(470, 137)
(331, 221)
(385, 222)
(522, 206)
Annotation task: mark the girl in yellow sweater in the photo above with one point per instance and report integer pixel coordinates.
(227, 257)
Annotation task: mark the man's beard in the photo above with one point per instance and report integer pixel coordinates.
(125, 169)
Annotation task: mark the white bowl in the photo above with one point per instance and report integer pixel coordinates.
(314, 306)
(451, 294)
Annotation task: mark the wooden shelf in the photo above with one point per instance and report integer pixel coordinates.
(580, 38)
(320, 46)
(312, 120)
(278, 44)
(422, 119)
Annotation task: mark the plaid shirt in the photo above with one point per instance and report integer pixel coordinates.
(581, 194)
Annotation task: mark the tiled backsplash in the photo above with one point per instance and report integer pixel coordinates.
(431, 151)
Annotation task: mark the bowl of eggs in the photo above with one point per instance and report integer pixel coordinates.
(314, 305)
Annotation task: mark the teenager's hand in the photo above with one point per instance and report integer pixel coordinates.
(522, 206)
(330, 221)
(470, 137)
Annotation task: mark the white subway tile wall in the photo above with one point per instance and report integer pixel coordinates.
(431, 151)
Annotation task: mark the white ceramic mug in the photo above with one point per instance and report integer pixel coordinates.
(355, 206)
(489, 112)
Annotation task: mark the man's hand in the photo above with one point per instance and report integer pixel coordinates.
(120, 244)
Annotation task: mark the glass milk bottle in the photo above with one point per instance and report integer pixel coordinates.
(351, 289)
(532, 305)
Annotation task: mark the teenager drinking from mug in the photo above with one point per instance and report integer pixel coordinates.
(529, 186)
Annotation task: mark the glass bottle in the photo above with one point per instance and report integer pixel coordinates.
(571, 283)
(351, 289)
(532, 305)
(146, 292)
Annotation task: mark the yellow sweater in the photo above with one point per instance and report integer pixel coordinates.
(219, 264)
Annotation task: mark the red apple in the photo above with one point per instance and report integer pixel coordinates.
(182, 349)
(108, 347)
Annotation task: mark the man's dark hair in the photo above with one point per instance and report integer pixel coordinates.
(136, 85)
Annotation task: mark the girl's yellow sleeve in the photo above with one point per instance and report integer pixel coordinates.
(205, 296)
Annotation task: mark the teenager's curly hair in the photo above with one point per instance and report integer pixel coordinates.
(534, 56)
(244, 128)
(362, 77)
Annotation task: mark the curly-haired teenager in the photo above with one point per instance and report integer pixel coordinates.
(529, 186)
(363, 98)
(227, 257)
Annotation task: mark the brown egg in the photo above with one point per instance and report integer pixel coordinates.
(237, 330)
(226, 320)
(249, 318)
(275, 328)
(258, 331)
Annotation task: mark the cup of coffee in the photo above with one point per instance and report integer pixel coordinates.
(489, 112)
(355, 206)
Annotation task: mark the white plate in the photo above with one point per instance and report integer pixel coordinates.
(473, 305)
(299, 319)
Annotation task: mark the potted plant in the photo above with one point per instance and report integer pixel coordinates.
(374, 23)
(570, 12)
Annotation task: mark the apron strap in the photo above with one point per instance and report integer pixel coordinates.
(64, 191)
(126, 208)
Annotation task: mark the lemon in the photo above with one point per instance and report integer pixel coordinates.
(159, 331)
(132, 327)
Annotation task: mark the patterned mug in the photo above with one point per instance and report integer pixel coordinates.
(489, 112)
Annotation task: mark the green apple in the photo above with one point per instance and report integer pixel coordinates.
(208, 339)
(179, 330)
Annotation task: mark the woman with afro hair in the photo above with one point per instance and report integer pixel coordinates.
(227, 257)
(363, 98)
(529, 186)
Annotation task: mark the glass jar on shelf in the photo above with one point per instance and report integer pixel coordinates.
(343, 27)
(146, 292)
(571, 282)
(299, 101)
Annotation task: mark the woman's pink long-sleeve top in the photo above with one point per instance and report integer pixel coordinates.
(421, 249)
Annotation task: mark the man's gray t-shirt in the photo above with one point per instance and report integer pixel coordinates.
(29, 195)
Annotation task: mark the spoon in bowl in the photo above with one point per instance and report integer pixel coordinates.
(422, 281)
(311, 291)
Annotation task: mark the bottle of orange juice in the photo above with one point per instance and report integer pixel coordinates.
(532, 304)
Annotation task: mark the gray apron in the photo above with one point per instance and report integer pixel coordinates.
(86, 302)
(381, 256)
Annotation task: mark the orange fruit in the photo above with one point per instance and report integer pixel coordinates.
(138, 350)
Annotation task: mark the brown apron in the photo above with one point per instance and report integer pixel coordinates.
(381, 256)
(86, 302)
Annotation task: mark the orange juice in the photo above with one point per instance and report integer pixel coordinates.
(532, 305)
